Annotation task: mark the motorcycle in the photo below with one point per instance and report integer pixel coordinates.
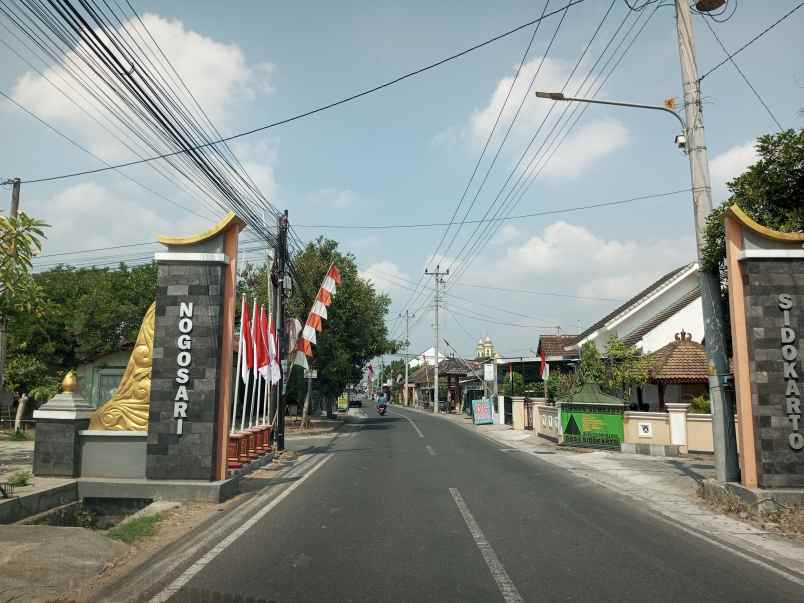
(381, 409)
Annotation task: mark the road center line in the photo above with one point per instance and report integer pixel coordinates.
(199, 565)
(501, 577)
(409, 420)
(430, 450)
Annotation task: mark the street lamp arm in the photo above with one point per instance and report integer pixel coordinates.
(558, 96)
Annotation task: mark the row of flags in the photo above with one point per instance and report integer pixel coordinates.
(258, 353)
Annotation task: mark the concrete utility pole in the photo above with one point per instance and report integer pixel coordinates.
(13, 213)
(725, 441)
(278, 285)
(408, 316)
(438, 278)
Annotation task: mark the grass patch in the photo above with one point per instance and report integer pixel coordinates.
(19, 436)
(136, 529)
(19, 479)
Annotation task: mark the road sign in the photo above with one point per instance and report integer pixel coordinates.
(481, 412)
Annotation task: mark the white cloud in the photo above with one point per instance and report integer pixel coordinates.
(88, 216)
(506, 234)
(728, 165)
(386, 276)
(217, 74)
(571, 257)
(332, 198)
(585, 146)
(591, 142)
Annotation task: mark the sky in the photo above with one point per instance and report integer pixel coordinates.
(405, 154)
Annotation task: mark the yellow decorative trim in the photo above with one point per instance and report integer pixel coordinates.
(230, 218)
(749, 222)
(128, 408)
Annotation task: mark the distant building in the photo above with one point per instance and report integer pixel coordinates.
(484, 350)
(427, 357)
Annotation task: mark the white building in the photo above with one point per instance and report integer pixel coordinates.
(427, 356)
(650, 319)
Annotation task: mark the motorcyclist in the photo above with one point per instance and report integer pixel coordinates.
(381, 402)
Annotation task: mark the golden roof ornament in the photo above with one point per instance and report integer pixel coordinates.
(70, 383)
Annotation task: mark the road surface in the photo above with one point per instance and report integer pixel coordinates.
(409, 507)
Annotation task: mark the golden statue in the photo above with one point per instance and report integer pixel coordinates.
(128, 408)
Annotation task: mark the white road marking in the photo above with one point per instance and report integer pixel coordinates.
(501, 577)
(409, 420)
(196, 567)
(430, 450)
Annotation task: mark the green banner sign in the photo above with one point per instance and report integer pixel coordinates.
(591, 425)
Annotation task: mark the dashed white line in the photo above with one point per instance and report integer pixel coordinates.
(409, 420)
(196, 567)
(501, 577)
(430, 450)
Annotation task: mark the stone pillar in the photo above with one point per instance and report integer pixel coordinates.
(57, 451)
(190, 407)
(678, 424)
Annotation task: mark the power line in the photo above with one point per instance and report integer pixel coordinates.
(752, 40)
(310, 112)
(745, 77)
(497, 219)
(546, 293)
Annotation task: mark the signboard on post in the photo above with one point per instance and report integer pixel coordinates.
(481, 412)
(310, 374)
(488, 372)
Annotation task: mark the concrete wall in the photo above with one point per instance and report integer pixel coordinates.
(699, 433)
(119, 454)
(659, 428)
(546, 421)
(518, 404)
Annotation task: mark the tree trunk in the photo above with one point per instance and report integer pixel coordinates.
(20, 412)
(307, 405)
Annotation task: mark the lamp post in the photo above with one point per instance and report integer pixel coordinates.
(692, 142)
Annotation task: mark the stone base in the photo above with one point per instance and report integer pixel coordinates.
(759, 499)
(651, 449)
(152, 489)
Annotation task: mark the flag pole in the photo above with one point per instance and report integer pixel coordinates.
(238, 373)
(254, 370)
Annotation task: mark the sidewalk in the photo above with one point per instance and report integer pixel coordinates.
(665, 486)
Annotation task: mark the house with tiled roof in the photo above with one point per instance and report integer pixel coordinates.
(560, 353)
(677, 374)
(651, 318)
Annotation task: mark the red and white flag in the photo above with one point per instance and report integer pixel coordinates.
(246, 345)
(320, 309)
(334, 274)
(273, 353)
(262, 345)
(255, 327)
(324, 296)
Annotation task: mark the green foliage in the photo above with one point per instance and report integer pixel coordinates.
(27, 374)
(560, 385)
(18, 479)
(20, 240)
(518, 384)
(626, 367)
(591, 369)
(553, 380)
(87, 312)
(770, 191)
(700, 404)
(136, 529)
(19, 436)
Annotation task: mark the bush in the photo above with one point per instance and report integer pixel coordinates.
(19, 479)
(136, 529)
(19, 436)
(700, 404)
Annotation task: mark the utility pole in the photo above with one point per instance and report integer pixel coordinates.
(278, 285)
(438, 279)
(13, 213)
(408, 316)
(725, 442)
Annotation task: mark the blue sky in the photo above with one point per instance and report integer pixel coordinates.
(404, 155)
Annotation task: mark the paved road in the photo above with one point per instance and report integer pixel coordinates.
(392, 515)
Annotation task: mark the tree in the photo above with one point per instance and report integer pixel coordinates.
(28, 377)
(84, 312)
(770, 191)
(591, 369)
(518, 384)
(20, 241)
(626, 367)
